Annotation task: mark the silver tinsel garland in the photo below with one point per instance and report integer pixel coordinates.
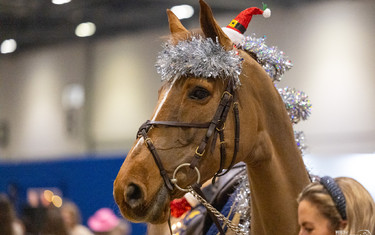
(271, 58)
(198, 57)
(241, 202)
(297, 104)
(299, 136)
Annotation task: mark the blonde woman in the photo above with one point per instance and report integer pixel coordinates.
(336, 206)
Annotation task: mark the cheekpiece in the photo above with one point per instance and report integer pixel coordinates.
(336, 194)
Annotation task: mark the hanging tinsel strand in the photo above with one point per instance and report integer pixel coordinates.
(299, 136)
(241, 204)
(297, 104)
(271, 58)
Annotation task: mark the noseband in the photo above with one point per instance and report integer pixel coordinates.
(214, 128)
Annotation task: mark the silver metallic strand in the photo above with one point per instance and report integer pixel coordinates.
(242, 204)
(274, 62)
(299, 137)
(198, 57)
(297, 104)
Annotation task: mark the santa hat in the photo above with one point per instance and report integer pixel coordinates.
(237, 27)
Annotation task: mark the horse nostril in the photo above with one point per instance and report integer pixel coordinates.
(133, 195)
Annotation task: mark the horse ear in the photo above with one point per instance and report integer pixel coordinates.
(175, 25)
(211, 28)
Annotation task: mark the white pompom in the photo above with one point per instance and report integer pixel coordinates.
(267, 13)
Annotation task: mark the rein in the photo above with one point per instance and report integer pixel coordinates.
(215, 128)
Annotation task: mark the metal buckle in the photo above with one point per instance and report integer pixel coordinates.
(174, 180)
(149, 140)
(226, 92)
(199, 154)
(222, 128)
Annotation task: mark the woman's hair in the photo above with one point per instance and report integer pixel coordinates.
(53, 222)
(6, 215)
(360, 206)
(73, 211)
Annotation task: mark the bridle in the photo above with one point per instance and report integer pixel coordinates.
(214, 128)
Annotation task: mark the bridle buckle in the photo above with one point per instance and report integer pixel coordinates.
(199, 154)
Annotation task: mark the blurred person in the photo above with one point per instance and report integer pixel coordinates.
(105, 222)
(72, 219)
(336, 206)
(53, 223)
(9, 225)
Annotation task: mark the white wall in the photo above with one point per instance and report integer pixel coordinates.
(333, 52)
(330, 43)
(357, 166)
(31, 85)
(124, 88)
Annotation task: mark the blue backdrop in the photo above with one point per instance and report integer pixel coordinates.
(87, 181)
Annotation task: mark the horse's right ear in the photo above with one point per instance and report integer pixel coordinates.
(175, 25)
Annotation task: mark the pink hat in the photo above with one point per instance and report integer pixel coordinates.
(104, 220)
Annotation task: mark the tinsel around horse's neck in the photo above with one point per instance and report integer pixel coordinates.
(275, 166)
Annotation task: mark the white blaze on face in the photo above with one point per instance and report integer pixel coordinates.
(139, 142)
(163, 100)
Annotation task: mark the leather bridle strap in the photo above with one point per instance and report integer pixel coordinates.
(143, 130)
(236, 142)
(179, 124)
(220, 132)
(217, 121)
(215, 125)
(156, 157)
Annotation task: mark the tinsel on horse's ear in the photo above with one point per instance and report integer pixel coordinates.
(211, 28)
(178, 31)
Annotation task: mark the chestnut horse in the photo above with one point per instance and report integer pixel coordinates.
(266, 143)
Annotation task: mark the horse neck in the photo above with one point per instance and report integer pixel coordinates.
(275, 167)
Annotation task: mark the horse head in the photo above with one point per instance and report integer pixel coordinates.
(210, 88)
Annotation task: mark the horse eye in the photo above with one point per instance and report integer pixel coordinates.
(199, 93)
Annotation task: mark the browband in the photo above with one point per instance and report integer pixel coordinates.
(336, 194)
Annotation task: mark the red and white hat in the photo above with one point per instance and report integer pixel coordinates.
(237, 27)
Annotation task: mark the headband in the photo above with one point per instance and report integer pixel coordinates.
(336, 194)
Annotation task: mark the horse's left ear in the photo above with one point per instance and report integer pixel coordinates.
(211, 28)
(177, 29)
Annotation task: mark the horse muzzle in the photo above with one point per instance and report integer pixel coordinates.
(135, 206)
